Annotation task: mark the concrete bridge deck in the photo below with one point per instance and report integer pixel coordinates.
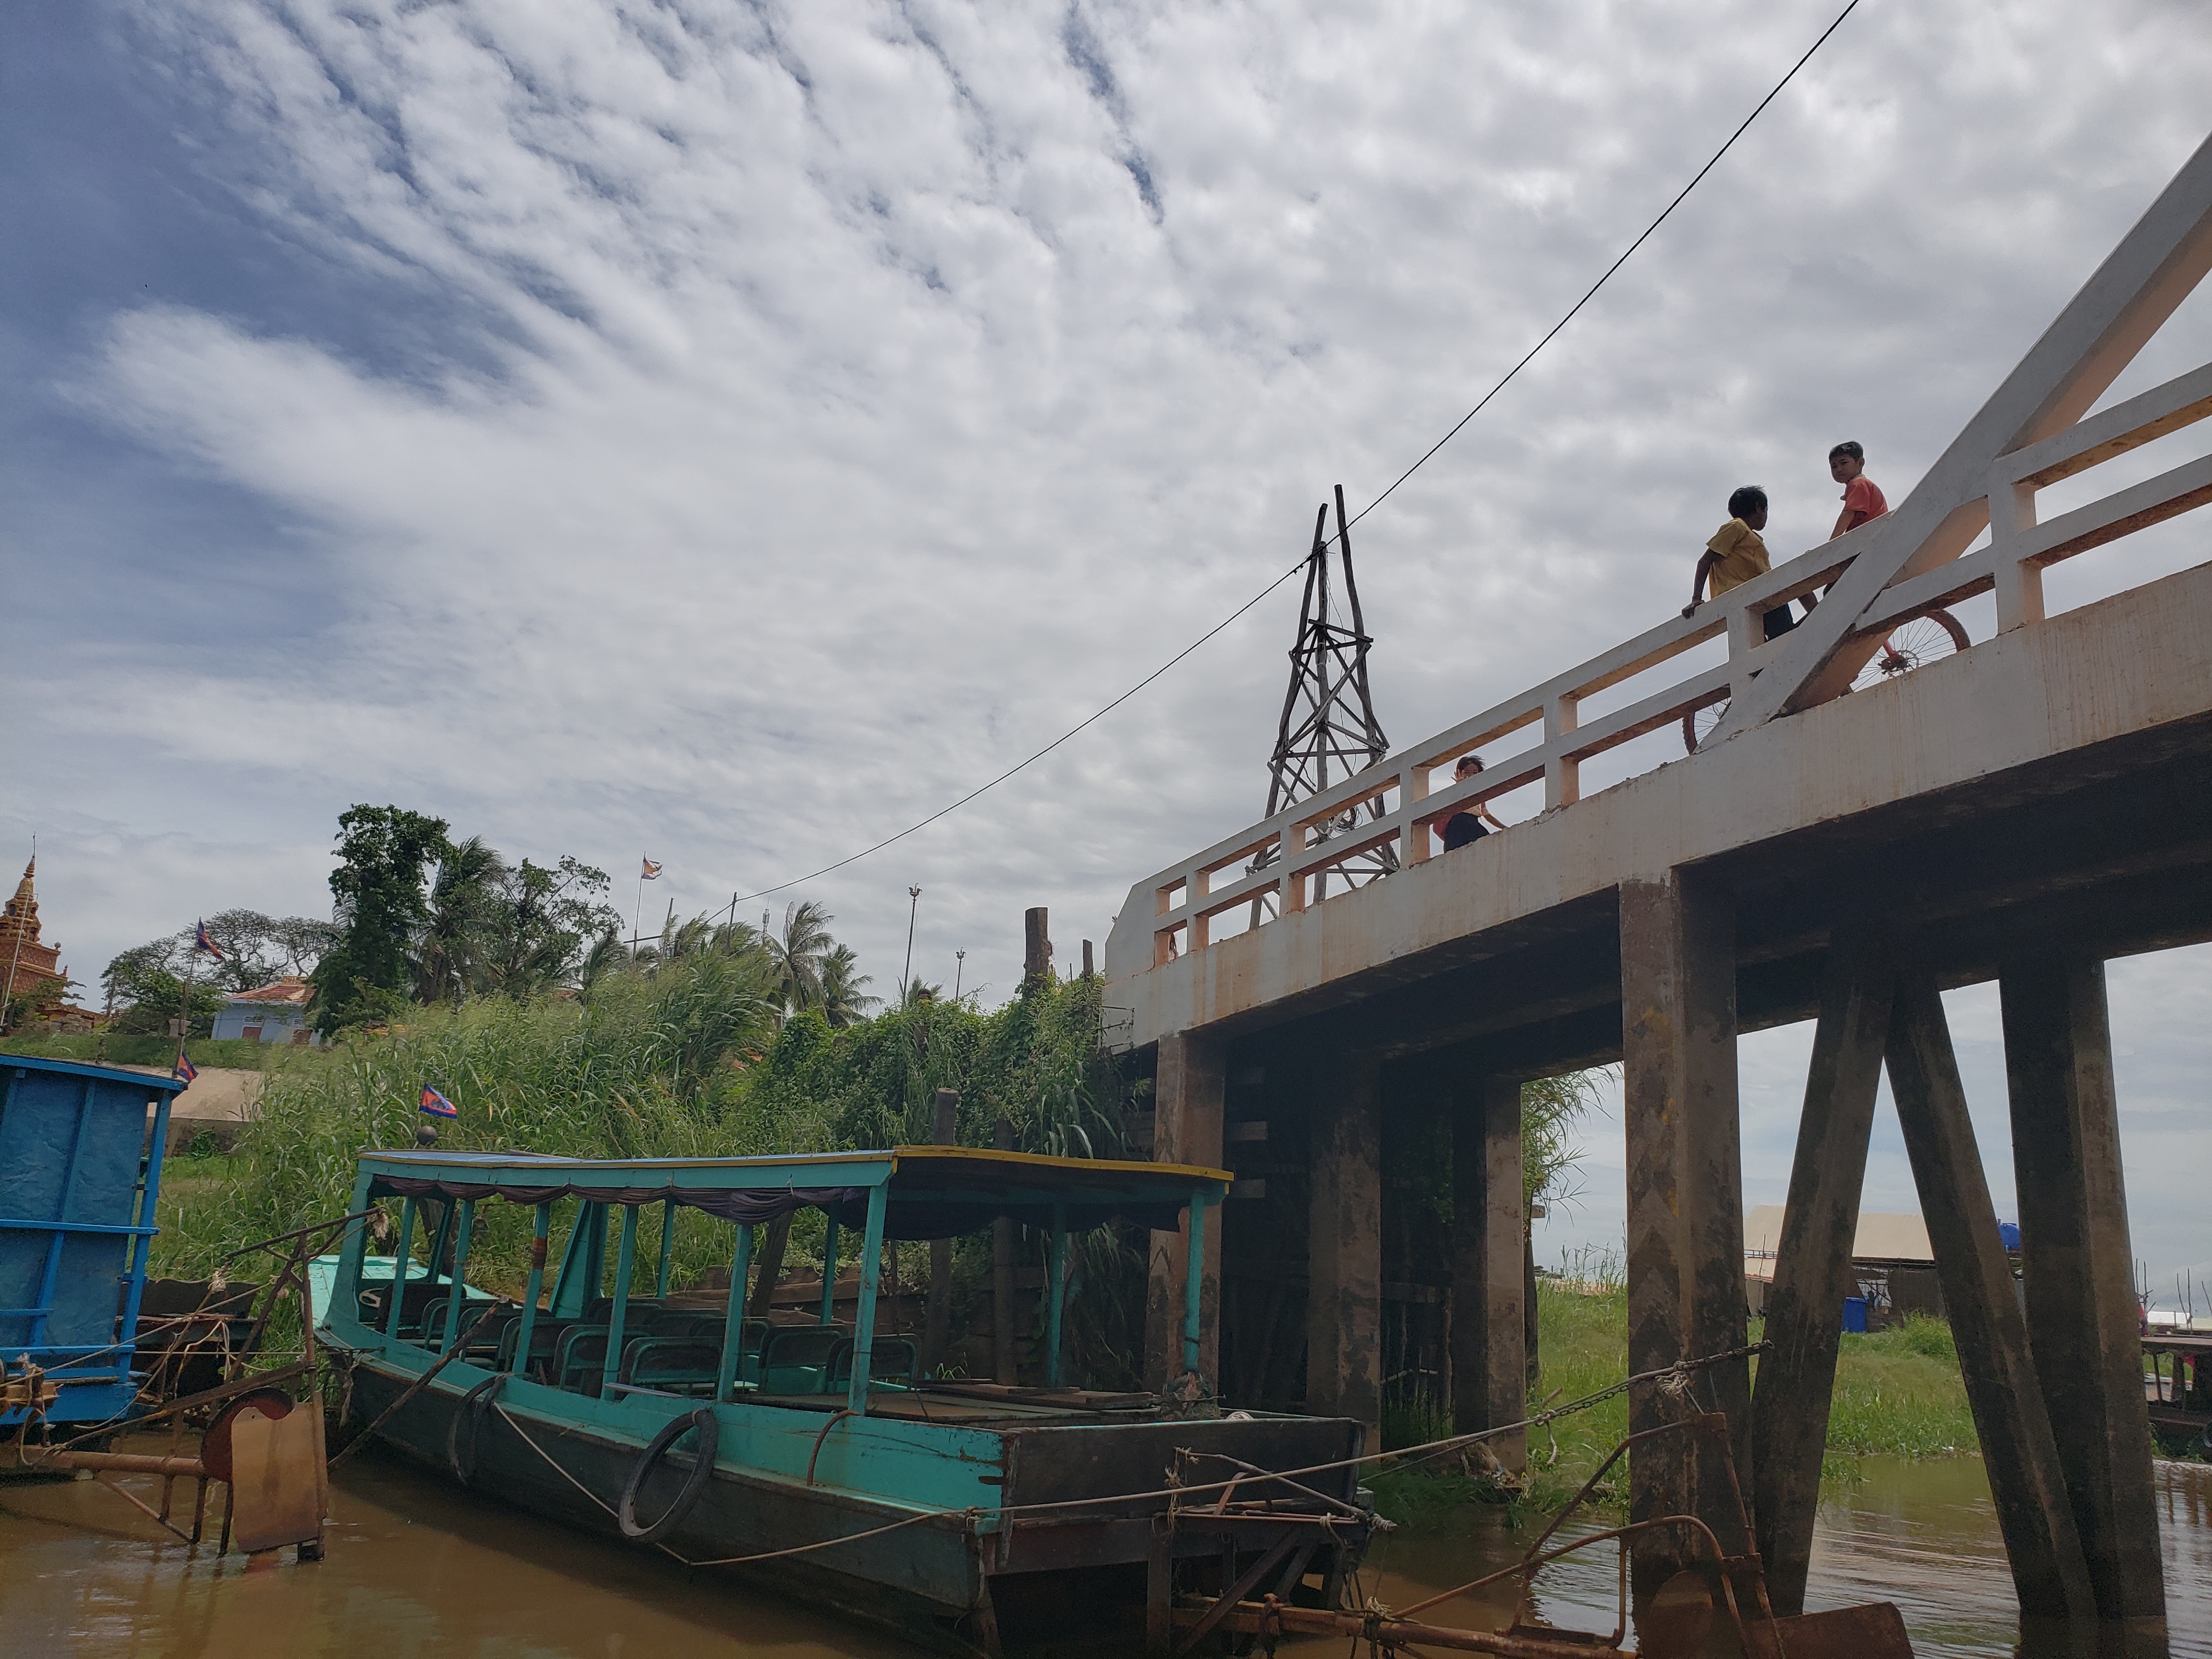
(2023, 810)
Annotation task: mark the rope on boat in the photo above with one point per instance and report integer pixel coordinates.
(1671, 1379)
(970, 1515)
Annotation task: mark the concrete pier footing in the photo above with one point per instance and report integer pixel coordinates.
(1489, 1377)
(1685, 1206)
(2077, 1275)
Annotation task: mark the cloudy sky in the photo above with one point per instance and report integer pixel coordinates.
(730, 433)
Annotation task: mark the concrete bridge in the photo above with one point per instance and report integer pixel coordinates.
(2022, 809)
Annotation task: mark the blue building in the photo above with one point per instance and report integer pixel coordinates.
(275, 1012)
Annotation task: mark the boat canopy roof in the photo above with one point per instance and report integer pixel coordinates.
(931, 1191)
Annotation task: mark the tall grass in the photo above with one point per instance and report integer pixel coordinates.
(681, 1058)
(1898, 1394)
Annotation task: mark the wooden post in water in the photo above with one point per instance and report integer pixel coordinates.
(1489, 1383)
(2078, 1276)
(1684, 1209)
(936, 1325)
(1813, 1267)
(1002, 1270)
(2019, 1450)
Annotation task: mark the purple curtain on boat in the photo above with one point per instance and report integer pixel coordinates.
(746, 1206)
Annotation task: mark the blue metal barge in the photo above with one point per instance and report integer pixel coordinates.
(812, 1458)
(79, 1171)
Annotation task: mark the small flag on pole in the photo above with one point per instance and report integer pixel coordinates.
(201, 945)
(185, 1069)
(650, 873)
(436, 1104)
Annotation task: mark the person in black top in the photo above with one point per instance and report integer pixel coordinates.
(1472, 825)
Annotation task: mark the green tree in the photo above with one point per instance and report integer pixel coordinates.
(380, 910)
(257, 948)
(843, 1002)
(541, 923)
(467, 898)
(146, 987)
(798, 953)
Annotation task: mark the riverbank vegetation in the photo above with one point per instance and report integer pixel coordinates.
(1899, 1394)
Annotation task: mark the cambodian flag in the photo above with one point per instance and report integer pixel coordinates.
(201, 945)
(185, 1069)
(436, 1104)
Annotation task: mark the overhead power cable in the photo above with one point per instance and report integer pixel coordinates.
(1427, 455)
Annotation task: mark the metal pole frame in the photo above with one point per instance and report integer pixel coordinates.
(625, 1261)
(541, 1228)
(733, 1326)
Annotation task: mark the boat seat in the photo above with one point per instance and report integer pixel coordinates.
(639, 1309)
(580, 1359)
(891, 1359)
(795, 1358)
(430, 1330)
(545, 1339)
(491, 1340)
(418, 1293)
(685, 1322)
(675, 1364)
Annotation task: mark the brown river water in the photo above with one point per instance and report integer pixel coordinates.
(418, 1569)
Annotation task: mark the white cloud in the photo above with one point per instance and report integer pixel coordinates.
(801, 413)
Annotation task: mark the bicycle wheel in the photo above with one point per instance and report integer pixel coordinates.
(1922, 639)
(1699, 721)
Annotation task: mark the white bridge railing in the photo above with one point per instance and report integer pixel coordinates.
(1284, 854)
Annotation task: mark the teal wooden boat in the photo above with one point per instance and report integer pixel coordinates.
(812, 1458)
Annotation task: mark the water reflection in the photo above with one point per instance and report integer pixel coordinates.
(1923, 1535)
(419, 1569)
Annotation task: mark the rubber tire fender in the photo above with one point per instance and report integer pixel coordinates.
(702, 1470)
(473, 1406)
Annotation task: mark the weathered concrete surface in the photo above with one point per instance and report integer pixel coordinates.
(2016, 715)
(1813, 1266)
(1188, 1096)
(2027, 1483)
(220, 1101)
(1685, 1207)
(1344, 1297)
(1489, 1375)
(2079, 1278)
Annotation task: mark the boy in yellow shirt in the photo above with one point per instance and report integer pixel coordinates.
(1736, 553)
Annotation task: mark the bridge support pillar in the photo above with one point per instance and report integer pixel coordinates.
(1344, 1299)
(2083, 1334)
(1490, 1384)
(1189, 1093)
(1813, 1267)
(2026, 1479)
(1685, 1294)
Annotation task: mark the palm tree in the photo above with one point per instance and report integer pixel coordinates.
(450, 959)
(842, 1003)
(798, 955)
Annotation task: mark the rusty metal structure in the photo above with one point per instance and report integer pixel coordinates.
(259, 1434)
(1329, 731)
(1723, 1584)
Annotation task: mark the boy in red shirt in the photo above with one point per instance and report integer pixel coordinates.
(1862, 500)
